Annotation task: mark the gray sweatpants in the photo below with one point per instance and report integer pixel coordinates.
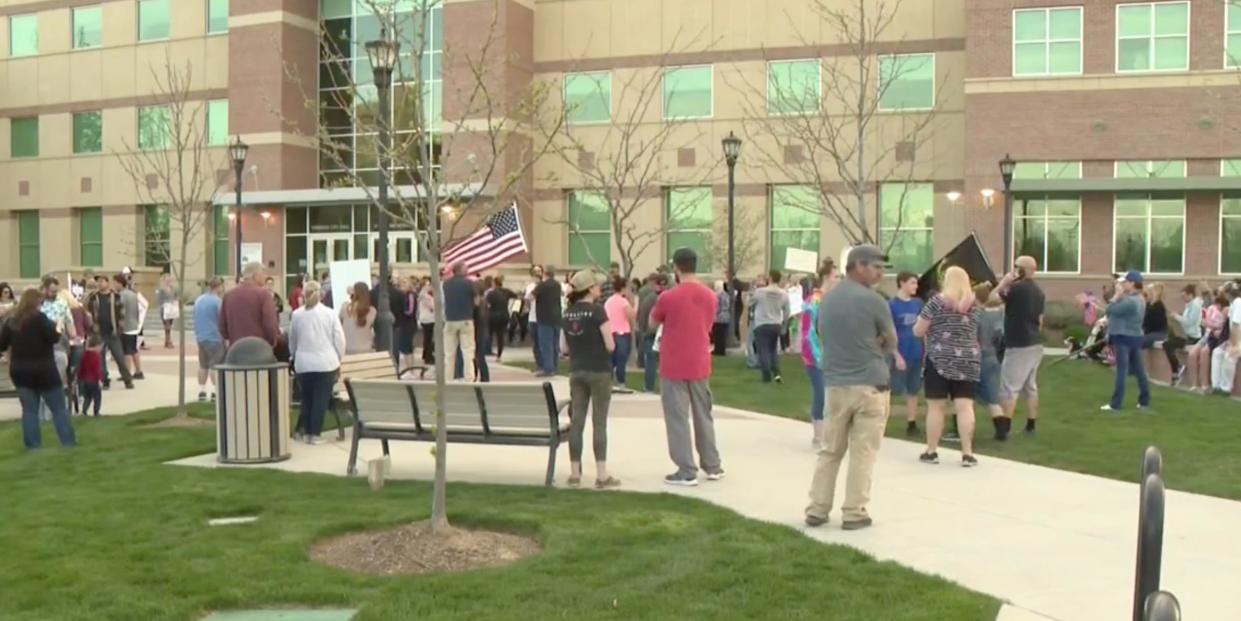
(680, 399)
(592, 389)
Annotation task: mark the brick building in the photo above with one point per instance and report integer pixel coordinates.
(1123, 116)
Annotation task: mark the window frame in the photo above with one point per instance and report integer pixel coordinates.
(709, 231)
(879, 86)
(73, 26)
(23, 244)
(1048, 40)
(13, 136)
(771, 220)
(227, 9)
(74, 129)
(582, 233)
(564, 95)
(1189, 21)
(1046, 219)
(165, 240)
(1148, 219)
(12, 39)
(1150, 169)
(664, 92)
(818, 86)
(82, 213)
(167, 119)
(138, 15)
(897, 230)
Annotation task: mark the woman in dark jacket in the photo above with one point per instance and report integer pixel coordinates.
(28, 338)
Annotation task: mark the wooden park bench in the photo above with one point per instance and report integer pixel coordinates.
(513, 413)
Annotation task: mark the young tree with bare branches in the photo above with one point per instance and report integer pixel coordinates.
(449, 172)
(844, 124)
(623, 156)
(173, 168)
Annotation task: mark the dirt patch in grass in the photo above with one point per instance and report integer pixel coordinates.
(181, 422)
(413, 549)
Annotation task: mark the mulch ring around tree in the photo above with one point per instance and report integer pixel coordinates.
(414, 549)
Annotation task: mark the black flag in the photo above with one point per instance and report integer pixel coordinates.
(967, 255)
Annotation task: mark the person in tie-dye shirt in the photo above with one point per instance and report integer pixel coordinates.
(811, 352)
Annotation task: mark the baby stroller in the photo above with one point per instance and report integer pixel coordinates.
(1094, 348)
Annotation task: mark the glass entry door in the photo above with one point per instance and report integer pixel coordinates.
(327, 248)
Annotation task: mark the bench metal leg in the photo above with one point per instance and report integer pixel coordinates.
(340, 429)
(352, 469)
(385, 444)
(551, 464)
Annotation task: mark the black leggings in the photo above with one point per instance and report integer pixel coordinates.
(1170, 347)
(428, 343)
(499, 333)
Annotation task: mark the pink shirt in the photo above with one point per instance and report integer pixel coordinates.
(687, 312)
(617, 308)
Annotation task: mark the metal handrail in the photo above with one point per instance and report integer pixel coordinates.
(1150, 538)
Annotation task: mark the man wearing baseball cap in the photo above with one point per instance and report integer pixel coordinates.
(1124, 333)
(856, 337)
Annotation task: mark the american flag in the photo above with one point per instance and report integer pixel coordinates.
(498, 239)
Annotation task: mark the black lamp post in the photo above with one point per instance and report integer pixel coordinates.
(238, 150)
(732, 149)
(1007, 166)
(384, 54)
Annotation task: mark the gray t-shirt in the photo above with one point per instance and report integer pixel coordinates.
(771, 306)
(853, 320)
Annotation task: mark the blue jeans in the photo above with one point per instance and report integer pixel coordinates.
(92, 396)
(316, 393)
(54, 399)
(768, 343)
(620, 355)
(534, 343)
(1128, 350)
(817, 397)
(751, 351)
(549, 347)
(650, 360)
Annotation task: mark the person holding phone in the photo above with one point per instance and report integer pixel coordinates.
(1023, 345)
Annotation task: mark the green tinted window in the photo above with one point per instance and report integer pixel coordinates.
(590, 229)
(1230, 168)
(1152, 36)
(588, 97)
(23, 35)
(1230, 234)
(1048, 229)
(1232, 49)
(152, 127)
(907, 82)
(88, 132)
(219, 240)
(689, 218)
(1047, 41)
(28, 244)
(87, 27)
(1048, 170)
(217, 16)
(795, 214)
(906, 224)
(24, 137)
(217, 122)
(793, 87)
(157, 244)
(687, 92)
(1159, 169)
(1149, 233)
(90, 237)
(153, 20)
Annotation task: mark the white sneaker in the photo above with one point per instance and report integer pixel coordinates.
(1108, 408)
(314, 440)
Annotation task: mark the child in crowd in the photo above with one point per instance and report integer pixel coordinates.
(90, 375)
(907, 361)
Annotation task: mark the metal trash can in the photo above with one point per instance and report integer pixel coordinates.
(252, 405)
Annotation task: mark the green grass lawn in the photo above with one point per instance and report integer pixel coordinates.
(105, 531)
(1200, 436)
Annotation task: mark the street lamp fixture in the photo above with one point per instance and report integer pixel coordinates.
(732, 150)
(953, 197)
(384, 54)
(1007, 166)
(987, 195)
(238, 151)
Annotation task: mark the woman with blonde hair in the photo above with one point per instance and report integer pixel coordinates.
(949, 322)
(316, 343)
(358, 319)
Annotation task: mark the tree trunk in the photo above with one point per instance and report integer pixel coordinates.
(181, 410)
(439, 495)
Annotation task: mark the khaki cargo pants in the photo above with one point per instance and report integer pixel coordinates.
(856, 418)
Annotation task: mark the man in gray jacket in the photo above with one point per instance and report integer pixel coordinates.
(771, 312)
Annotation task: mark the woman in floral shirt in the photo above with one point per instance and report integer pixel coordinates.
(949, 322)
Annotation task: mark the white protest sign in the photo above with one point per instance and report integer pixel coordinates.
(798, 260)
(796, 301)
(344, 275)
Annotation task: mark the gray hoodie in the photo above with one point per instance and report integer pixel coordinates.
(771, 306)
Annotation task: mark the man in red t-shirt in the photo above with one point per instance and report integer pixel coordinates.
(686, 312)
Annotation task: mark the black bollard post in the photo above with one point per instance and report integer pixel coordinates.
(1150, 543)
(1152, 463)
(1162, 606)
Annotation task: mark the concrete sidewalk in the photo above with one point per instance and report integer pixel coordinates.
(1053, 544)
